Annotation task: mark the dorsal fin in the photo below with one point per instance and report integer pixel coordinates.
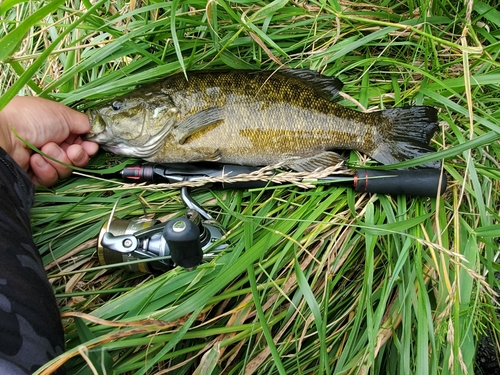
(326, 87)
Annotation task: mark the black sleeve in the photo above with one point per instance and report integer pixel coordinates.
(31, 332)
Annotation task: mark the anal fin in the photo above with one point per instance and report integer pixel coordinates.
(312, 163)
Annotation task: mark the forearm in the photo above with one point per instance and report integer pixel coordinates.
(30, 326)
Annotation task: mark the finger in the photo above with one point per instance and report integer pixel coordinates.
(42, 173)
(77, 155)
(78, 122)
(72, 138)
(90, 148)
(53, 150)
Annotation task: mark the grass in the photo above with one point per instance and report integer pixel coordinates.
(318, 281)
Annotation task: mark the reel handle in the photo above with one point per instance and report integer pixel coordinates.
(183, 239)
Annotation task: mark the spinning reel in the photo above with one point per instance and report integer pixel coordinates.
(149, 246)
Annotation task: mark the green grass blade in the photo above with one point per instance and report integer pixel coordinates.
(14, 89)
(175, 35)
(264, 324)
(10, 42)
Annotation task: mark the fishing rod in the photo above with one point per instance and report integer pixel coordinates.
(146, 245)
(417, 182)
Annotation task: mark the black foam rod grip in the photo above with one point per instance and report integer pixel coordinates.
(417, 182)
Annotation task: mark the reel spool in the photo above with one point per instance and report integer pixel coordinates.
(119, 227)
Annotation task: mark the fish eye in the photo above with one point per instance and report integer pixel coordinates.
(117, 105)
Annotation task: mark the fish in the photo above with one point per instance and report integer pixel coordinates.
(288, 117)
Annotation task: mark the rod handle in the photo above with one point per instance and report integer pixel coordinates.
(418, 182)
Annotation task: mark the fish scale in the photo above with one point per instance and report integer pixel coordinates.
(255, 121)
(256, 118)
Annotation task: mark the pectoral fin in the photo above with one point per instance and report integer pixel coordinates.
(319, 161)
(197, 122)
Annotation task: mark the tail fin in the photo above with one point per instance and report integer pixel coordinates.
(407, 133)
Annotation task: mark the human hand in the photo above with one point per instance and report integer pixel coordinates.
(51, 127)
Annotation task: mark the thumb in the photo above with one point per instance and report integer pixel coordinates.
(78, 123)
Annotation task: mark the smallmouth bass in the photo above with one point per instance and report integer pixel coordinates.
(256, 118)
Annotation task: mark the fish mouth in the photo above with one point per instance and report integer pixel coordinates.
(97, 127)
